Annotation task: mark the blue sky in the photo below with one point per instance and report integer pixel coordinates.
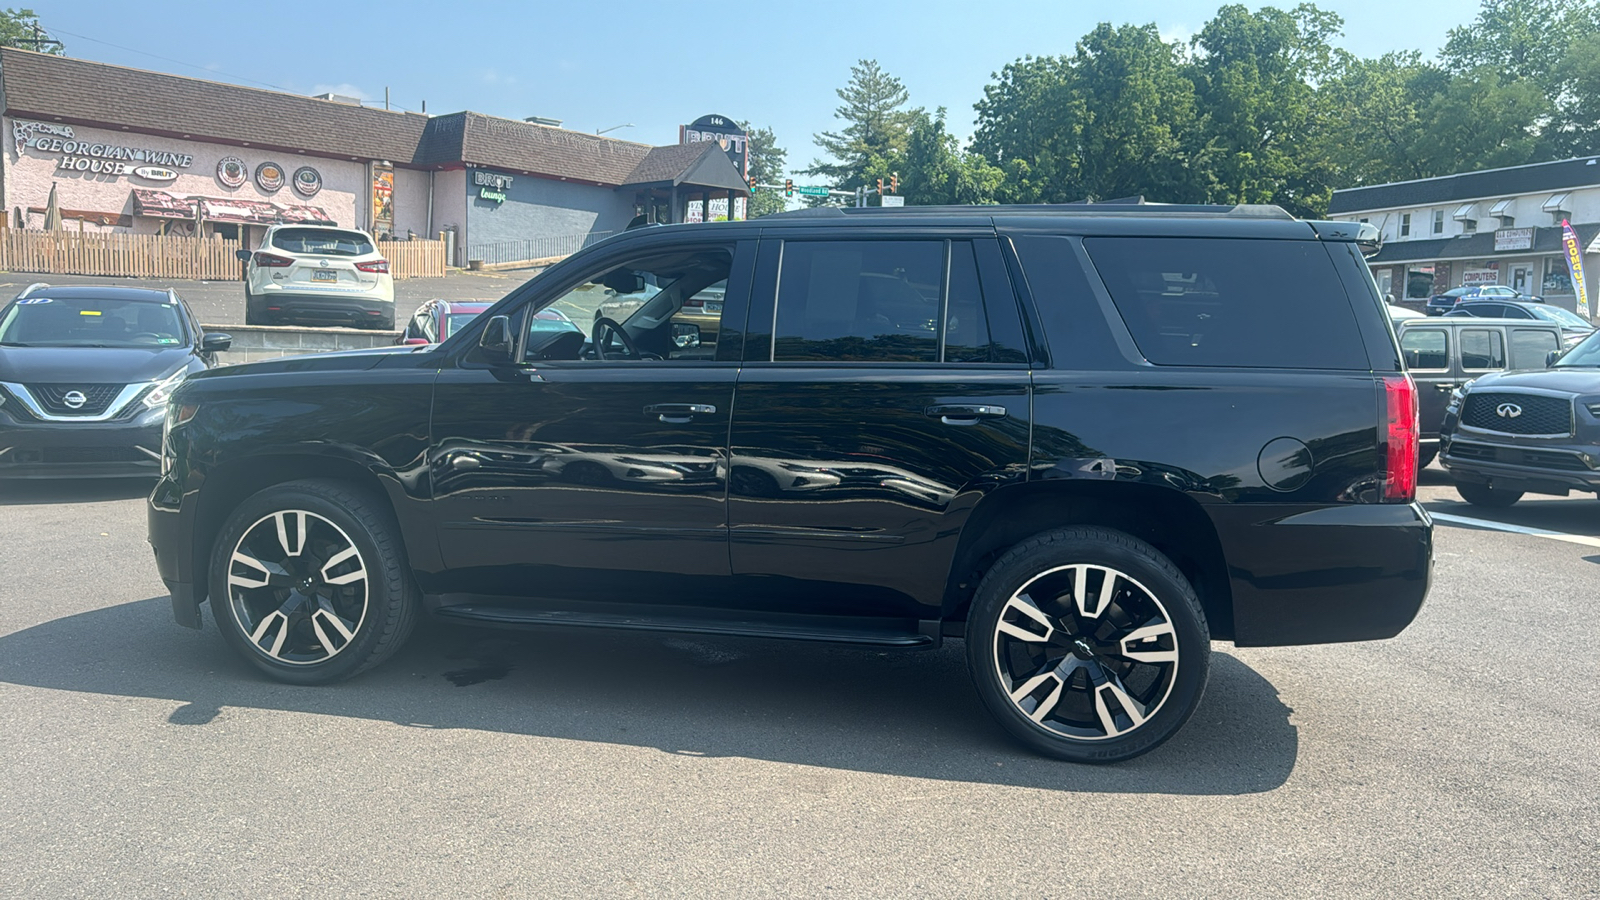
(654, 64)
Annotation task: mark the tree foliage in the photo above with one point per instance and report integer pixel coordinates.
(877, 128)
(767, 164)
(20, 28)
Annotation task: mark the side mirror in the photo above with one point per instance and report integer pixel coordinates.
(685, 336)
(1551, 357)
(242, 255)
(411, 342)
(215, 342)
(496, 338)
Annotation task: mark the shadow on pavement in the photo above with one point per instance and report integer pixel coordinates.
(81, 490)
(912, 714)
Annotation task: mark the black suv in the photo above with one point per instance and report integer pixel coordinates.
(1087, 439)
(1536, 432)
(85, 373)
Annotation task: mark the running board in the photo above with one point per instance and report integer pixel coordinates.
(907, 634)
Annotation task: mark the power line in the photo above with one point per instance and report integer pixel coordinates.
(191, 65)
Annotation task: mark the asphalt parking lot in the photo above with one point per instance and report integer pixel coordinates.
(143, 759)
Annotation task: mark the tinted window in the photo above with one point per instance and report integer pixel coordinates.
(1482, 349)
(323, 241)
(1425, 348)
(669, 305)
(872, 301)
(62, 322)
(1222, 302)
(1529, 347)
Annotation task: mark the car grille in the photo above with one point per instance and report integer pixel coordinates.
(52, 398)
(1540, 415)
(1519, 456)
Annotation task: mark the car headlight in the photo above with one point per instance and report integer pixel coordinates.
(1456, 396)
(158, 397)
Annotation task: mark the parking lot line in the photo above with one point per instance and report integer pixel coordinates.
(1516, 529)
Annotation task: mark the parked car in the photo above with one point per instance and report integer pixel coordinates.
(1441, 303)
(1536, 432)
(85, 373)
(437, 319)
(1574, 327)
(1396, 313)
(1088, 440)
(1443, 354)
(317, 274)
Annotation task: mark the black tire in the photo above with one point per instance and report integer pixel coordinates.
(367, 625)
(1083, 719)
(1486, 496)
(1426, 457)
(252, 316)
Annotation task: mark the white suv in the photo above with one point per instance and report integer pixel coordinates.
(317, 273)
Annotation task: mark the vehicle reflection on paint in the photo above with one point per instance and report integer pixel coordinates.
(760, 477)
(465, 465)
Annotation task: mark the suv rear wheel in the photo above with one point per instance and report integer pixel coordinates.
(309, 582)
(1088, 645)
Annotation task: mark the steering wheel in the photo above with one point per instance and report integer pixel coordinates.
(601, 325)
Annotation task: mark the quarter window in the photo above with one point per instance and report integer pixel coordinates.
(1482, 349)
(1426, 348)
(1529, 348)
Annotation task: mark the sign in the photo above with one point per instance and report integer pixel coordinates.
(1574, 253)
(491, 194)
(307, 181)
(382, 199)
(1513, 239)
(493, 180)
(893, 200)
(1475, 277)
(739, 210)
(155, 173)
(232, 172)
(269, 177)
(717, 209)
(805, 190)
(692, 211)
(721, 130)
(90, 156)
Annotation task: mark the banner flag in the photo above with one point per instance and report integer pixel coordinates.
(1569, 242)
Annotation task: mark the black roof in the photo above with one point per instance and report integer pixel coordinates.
(1555, 176)
(97, 292)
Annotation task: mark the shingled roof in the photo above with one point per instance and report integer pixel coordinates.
(76, 91)
(540, 149)
(701, 164)
(1529, 179)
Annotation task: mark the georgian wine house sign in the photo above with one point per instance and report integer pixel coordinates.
(91, 156)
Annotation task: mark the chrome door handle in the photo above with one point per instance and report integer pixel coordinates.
(679, 413)
(964, 414)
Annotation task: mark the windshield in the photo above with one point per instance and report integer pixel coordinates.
(84, 322)
(322, 241)
(1584, 355)
(1557, 314)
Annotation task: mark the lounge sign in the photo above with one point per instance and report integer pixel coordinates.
(92, 156)
(491, 185)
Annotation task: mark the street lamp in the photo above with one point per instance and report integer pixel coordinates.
(613, 128)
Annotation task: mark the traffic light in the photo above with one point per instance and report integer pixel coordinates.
(788, 187)
(880, 187)
(894, 183)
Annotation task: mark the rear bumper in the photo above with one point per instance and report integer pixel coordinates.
(352, 308)
(130, 448)
(1323, 575)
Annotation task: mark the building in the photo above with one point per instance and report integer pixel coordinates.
(128, 150)
(1497, 226)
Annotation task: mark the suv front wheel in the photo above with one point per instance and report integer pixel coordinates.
(1088, 645)
(309, 582)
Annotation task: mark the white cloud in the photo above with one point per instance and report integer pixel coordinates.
(343, 89)
(1177, 33)
(490, 76)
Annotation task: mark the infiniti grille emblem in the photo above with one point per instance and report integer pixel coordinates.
(74, 399)
(1508, 410)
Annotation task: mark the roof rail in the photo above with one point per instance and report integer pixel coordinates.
(31, 288)
(1132, 205)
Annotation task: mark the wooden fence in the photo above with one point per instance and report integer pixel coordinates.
(162, 256)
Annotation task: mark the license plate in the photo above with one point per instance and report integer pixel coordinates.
(713, 307)
(324, 275)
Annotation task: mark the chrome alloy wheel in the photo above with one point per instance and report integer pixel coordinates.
(297, 586)
(1086, 651)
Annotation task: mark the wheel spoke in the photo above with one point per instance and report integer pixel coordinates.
(1108, 683)
(345, 634)
(1024, 604)
(292, 537)
(271, 573)
(1080, 593)
(1150, 634)
(335, 560)
(282, 621)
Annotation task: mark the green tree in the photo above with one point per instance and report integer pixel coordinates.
(938, 171)
(872, 143)
(1480, 121)
(767, 161)
(1374, 110)
(20, 28)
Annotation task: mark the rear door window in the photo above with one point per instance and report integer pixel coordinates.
(1529, 347)
(1482, 349)
(1231, 302)
(1426, 348)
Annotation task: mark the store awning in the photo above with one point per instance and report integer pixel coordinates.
(162, 205)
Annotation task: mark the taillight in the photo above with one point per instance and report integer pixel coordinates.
(271, 260)
(1400, 448)
(694, 303)
(377, 266)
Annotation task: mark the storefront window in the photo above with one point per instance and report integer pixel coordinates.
(1557, 280)
(1419, 282)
